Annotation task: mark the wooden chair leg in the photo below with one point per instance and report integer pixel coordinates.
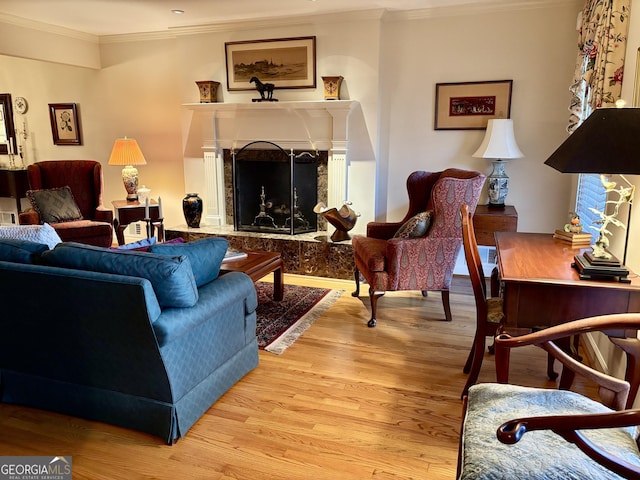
(476, 363)
(373, 296)
(446, 305)
(467, 365)
(356, 274)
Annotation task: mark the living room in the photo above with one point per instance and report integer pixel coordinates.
(136, 85)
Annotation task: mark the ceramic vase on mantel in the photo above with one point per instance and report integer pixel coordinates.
(332, 87)
(208, 91)
(192, 209)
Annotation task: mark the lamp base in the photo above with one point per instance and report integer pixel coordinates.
(130, 181)
(498, 185)
(591, 268)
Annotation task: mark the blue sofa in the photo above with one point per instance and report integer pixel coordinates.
(136, 339)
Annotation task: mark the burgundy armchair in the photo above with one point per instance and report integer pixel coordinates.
(423, 263)
(84, 178)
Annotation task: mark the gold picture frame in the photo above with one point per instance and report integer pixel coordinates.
(284, 62)
(470, 105)
(65, 126)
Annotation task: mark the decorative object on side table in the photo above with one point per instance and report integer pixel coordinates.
(499, 144)
(208, 91)
(143, 193)
(192, 209)
(343, 219)
(332, 87)
(605, 143)
(127, 152)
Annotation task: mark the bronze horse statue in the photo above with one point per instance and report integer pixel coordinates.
(263, 88)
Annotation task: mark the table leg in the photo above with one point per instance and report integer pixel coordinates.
(278, 284)
(119, 231)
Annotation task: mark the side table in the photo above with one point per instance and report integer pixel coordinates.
(489, 220)
(14, 184)
(128, 212)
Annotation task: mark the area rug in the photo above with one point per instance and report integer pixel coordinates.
(279, 324)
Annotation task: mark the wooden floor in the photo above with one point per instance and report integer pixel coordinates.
(344, 402)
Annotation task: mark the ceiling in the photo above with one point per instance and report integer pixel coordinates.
(113, 17)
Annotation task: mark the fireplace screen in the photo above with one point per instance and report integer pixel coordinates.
(274, 191)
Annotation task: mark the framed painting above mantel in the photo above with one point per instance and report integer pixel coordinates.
(470, 105)
(284, 62)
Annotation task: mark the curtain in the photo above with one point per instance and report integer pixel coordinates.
(602, 40)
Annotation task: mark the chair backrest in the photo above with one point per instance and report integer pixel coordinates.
(474, 263)
(84, 177)
(420, 189)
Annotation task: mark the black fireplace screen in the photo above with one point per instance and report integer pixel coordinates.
(274, 191)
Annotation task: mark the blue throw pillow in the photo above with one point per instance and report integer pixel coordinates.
(171, 277)
(205, 256)
(20, 251)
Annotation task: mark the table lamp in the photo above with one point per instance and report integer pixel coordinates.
(499, 143)
(127, 152)
(606, 143)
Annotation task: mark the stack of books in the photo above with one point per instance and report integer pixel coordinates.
(234, 254)
(575, 239)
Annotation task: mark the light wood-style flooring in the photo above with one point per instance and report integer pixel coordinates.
(345, 402)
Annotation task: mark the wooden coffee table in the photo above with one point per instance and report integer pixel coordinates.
(257, 265)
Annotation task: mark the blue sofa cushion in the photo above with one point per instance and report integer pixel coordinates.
(171, 277)
(20, 251)
(205, 256)
(35, 233)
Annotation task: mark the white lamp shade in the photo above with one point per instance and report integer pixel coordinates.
(499, 141)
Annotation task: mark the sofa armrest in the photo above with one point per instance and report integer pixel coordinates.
(28, 217)
(104, 215)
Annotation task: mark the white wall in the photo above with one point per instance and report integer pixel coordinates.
(390, 65)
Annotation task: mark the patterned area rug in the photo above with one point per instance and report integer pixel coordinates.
(281, 323)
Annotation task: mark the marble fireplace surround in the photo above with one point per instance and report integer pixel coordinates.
(298, 125)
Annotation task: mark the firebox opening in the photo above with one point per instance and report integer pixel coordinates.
(274, 191)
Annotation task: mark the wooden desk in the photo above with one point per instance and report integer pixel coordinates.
(542, 289)
(14, 184)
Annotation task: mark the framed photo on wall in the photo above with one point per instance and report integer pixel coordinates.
(284, 62)
(470, 105)
(65, 126)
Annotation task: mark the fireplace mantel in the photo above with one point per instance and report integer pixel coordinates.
(300, 125)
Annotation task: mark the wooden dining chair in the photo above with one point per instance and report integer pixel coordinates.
(489, 312)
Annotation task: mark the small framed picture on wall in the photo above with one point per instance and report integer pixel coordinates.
(470, 105)
(65, 126)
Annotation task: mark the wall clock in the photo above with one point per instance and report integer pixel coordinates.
(21, 105)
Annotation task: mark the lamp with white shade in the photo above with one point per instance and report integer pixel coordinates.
(499, 144)
(127, 152)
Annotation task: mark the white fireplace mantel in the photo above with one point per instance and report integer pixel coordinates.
(313, 125)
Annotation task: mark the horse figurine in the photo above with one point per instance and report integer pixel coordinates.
(263, 88)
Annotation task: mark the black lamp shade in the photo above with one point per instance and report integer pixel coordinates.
(608, 141)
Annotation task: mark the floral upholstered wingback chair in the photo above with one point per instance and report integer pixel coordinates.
(419, 252)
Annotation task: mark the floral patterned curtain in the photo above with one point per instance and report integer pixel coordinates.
(602, 41)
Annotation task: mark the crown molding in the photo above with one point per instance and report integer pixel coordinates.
(478, 8)
(47, 28)
(288, 21)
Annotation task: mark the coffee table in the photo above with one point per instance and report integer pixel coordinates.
(257, 265)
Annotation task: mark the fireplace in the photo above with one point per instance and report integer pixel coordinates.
(270, 190)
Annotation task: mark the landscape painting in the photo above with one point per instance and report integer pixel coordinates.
(286, 63)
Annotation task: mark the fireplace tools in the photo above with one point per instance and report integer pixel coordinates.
(262, 219)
